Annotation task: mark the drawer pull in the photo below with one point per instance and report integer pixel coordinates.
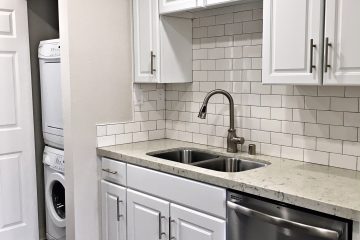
(109, 171)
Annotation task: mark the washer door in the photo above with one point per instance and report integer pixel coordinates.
(55, 198)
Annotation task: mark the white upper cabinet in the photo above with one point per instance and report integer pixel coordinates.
(146, 41)
(188, 224)
(148, 217)
(342, 42)
(113, 211)
(168, 6)
(292, 36)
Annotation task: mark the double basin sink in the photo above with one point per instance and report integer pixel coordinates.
(203, 159)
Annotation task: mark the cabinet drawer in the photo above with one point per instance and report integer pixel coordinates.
(196, 195)
(113, 171)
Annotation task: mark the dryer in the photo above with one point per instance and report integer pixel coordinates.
(51, 94)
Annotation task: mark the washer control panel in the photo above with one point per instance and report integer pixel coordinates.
(49, 49)
(54, 158)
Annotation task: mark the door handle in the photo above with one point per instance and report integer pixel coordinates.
(152, 57)
(109, 171)
(170, 232)
(118, 214)
(327, 45)
(161, 233)
(312, 46)
(284, 223)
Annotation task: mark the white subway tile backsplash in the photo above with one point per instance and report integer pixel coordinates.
(318, 124)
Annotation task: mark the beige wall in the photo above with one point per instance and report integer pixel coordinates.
(97, 76)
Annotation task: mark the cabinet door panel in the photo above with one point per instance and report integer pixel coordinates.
(289, 27)
(147, 217)
(113, 211)
(167, 6)
(188, 224)
(146, 40)
(343, 34)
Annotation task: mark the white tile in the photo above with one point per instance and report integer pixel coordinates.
(241, 87)
(124, 138)
(114, 129)
(216, 76)
(270, 149)
(132, 127)
(243, 16)
(157, 134)
(332, 91)
(207, 42)
(281, 139)
(200, 138)
(282, 89)
(271, 125)
(252, 26)
(292, 127)
(306, 90)
(292, 153)
(343, 133)
(100, 130)
(304, 142)
(271, 100)
(233, 52)
(200, 54)
(329, 145)
(343, 161)
(345, 104)
(225, 18)
(224, 64)
(215, 141)
(242, 63)
(104, 141)
(351, 148)
(199, 76)
(352, 119)
(216, 53)
(242, 40)
(250, 99)
(330, 117)
(252, 51)
(281, 114)
(301, 115)
(148, 125)
(317, 130)
(260, 112)
(200, 32)
(252, 75)
(260, 136)
(224, 41)
(316, 157)
(259, 88)
(207, 21)
(233, 28)
(207, 64)
(352, 91)
(319, 103)
(233, 76)
(292, 101)
(215, 31)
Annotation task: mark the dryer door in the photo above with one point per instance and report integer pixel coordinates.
(55, 198)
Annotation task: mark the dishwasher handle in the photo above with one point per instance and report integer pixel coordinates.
(311, 230)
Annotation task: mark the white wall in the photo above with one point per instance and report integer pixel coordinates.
(97, 76)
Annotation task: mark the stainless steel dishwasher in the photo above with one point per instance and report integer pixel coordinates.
(252, 218)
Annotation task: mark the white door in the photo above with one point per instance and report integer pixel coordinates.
(113, 206)
(18, 203)
(167, 6)
(188, 224)
(292, 42)
(148, 217)
(342, 35)
(146, 40)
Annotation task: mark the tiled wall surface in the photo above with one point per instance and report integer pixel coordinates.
(149, 118)
(306, 123)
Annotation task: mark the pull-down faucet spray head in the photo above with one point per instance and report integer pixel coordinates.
(202, 112)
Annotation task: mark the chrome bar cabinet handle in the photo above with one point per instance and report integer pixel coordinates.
(118, 214)
(284, 223)
(170, 232)
(161, 233)
(152, 57)
(312, 46)
(109, 171)
(326, 57)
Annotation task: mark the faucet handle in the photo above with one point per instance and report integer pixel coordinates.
(238, 140)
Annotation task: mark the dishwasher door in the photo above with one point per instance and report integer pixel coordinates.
(252, 218)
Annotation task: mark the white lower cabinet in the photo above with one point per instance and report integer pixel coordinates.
(147, 217)
(113, 211)
(188, 224)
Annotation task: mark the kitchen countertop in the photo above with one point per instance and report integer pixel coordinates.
(321, 188)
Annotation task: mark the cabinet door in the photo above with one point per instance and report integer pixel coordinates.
(216, 2)
(148, 217)
(113, 211)
(146, 40)
(289, 28)
(342, 35)
(188, 224)
(167, 6)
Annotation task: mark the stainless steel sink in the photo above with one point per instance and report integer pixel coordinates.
(230, 164)
(184, 155)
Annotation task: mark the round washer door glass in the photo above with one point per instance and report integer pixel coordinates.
(58, 198)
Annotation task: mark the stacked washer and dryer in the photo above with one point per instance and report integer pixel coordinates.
(53, 133)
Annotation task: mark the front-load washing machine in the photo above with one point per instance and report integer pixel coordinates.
(54, 193)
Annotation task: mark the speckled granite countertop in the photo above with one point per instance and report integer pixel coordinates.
(326, 189)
